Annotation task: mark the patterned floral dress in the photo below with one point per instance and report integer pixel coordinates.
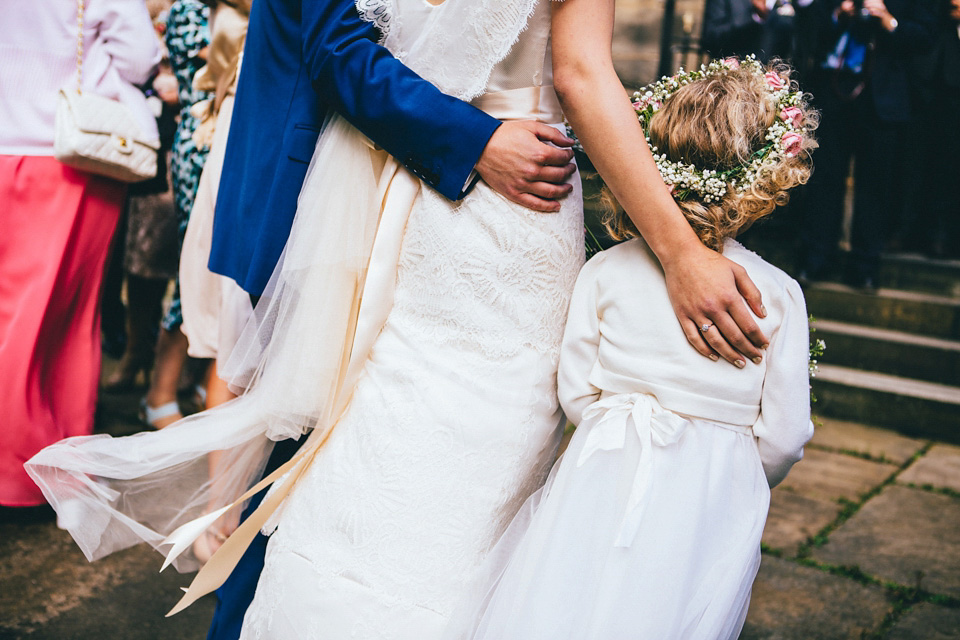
(188, 34)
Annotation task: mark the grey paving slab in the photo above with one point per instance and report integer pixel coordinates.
(929, 622)
(51, 591)
(829, 475)
(874, 441)
(794, 517)
(940, 467)
(903, 535)
(134, 610)
(793, 602)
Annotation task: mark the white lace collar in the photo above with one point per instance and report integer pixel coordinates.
(456, 44)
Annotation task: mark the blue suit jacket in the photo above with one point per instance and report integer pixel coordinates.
(301, 58)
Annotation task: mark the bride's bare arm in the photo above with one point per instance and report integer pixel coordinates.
(705, 287)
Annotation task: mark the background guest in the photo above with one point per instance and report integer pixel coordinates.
(765, 28)
(930, 221)
(58, 222)
(147, 243)
(862, 88)
(187, 40)
(214, 308)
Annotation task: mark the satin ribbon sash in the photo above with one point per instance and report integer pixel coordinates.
(526, 103)
(608, 422)
(372, 303)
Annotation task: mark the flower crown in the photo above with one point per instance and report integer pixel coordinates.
(784, 138)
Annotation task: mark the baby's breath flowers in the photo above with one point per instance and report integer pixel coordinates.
(783, 139)
(817, 349)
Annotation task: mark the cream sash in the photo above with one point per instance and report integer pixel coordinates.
(527, 103)
(372, 302)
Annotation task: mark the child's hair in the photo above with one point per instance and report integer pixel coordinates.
(719, 122)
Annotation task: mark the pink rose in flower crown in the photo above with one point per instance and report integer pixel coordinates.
(792, 141)
(793, 115)
(731, 63)
(642, 103)
(774, 81)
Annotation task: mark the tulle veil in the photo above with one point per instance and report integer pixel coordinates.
(289, 365)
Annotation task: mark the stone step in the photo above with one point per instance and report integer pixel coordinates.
(907, 311)
(912, 407)
(905, 271)
(914, 272)
(889, 351)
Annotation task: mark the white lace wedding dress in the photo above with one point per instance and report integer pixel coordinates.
(454, 420)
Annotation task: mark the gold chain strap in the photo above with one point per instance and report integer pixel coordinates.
(79, 43)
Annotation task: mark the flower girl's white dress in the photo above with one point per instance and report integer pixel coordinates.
(649, 526)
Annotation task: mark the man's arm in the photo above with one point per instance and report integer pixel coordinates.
(439, 138)
(704, 286)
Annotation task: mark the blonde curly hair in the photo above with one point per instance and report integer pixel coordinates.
(719, 122)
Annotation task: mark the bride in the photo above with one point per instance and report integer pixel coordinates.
(414, 339)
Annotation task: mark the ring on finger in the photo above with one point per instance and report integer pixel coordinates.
(705, 327)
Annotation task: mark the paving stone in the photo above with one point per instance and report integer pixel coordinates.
(51, 590)
(940, 467)
(829, 475)
(134, 610)
(795, 517)
(902, 535)
(929, 622)
(793, 602)
(874, 441)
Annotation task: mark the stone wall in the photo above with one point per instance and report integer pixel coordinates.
(636, 41)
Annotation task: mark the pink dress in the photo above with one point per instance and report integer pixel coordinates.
(54, 244)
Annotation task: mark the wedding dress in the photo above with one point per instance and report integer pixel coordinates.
(454, 420)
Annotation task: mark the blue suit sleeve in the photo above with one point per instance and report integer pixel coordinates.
(438, 137)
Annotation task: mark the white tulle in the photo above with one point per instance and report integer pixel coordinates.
(289, 365)
(559, 572)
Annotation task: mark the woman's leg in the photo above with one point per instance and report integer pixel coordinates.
(162, 395)
(145, 299)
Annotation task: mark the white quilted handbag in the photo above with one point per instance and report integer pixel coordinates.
(100, 135)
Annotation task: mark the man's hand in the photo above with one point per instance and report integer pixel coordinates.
(709, 290)
(519, 164)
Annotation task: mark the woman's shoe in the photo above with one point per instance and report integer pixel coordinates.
(159, 417)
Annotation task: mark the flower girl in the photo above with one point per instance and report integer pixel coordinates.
(650, 525)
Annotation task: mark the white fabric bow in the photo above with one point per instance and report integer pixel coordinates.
(655, 426)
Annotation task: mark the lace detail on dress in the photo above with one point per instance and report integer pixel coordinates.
(507, 293)
(453, 424)
(378, 12)
(458, 45)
